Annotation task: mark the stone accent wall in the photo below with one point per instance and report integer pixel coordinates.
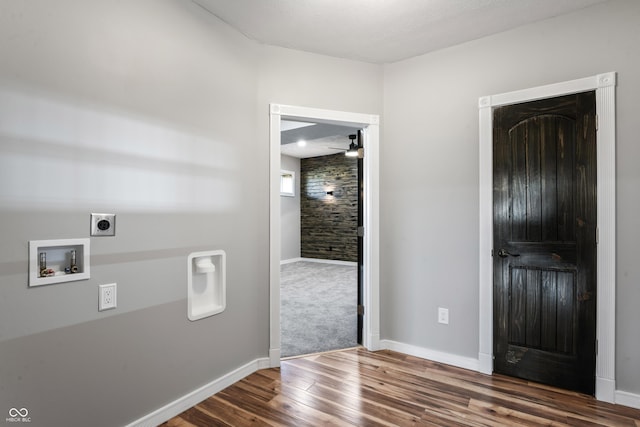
(328, 223)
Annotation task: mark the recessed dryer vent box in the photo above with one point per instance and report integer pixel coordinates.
(58, 261)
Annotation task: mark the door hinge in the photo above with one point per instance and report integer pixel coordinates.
(597, 235)
(597, 345)
(360, 310)
(491, 252)
(360, 231)
(361, 153)
(597, 121)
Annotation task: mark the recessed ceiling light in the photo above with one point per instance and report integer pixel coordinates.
(302, 143)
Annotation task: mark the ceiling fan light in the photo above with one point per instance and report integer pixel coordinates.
(352, 151)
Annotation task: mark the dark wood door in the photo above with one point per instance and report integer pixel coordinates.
(545, 241)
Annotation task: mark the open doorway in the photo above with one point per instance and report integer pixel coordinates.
(370, 276)
(321, 252)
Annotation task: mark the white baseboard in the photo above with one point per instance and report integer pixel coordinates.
(628, 399)
(434, 355)
(185, 402)
(320, 261)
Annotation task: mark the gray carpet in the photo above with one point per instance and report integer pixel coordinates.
(318, 307)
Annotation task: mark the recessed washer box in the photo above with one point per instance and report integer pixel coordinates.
(103, 224)
(58, 261)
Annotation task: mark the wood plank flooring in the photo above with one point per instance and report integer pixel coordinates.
(356, 387)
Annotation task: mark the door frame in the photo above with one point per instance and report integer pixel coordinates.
(371, 299)
(604, 85)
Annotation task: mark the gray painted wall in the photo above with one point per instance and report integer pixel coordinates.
(137, 107)
(157, 112)
(429, 198)
(290, 213)
(130, 108)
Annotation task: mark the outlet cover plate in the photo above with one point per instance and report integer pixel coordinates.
(108, 298)
(443, 315)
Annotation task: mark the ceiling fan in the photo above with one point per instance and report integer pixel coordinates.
(352, 151)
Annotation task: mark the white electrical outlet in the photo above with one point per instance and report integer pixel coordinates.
(108, 297)
(443, 315)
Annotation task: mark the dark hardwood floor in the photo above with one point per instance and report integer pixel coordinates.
(356, 387)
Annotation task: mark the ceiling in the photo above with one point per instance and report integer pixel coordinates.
(376, 31)
(320, 139)
(380, 31)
